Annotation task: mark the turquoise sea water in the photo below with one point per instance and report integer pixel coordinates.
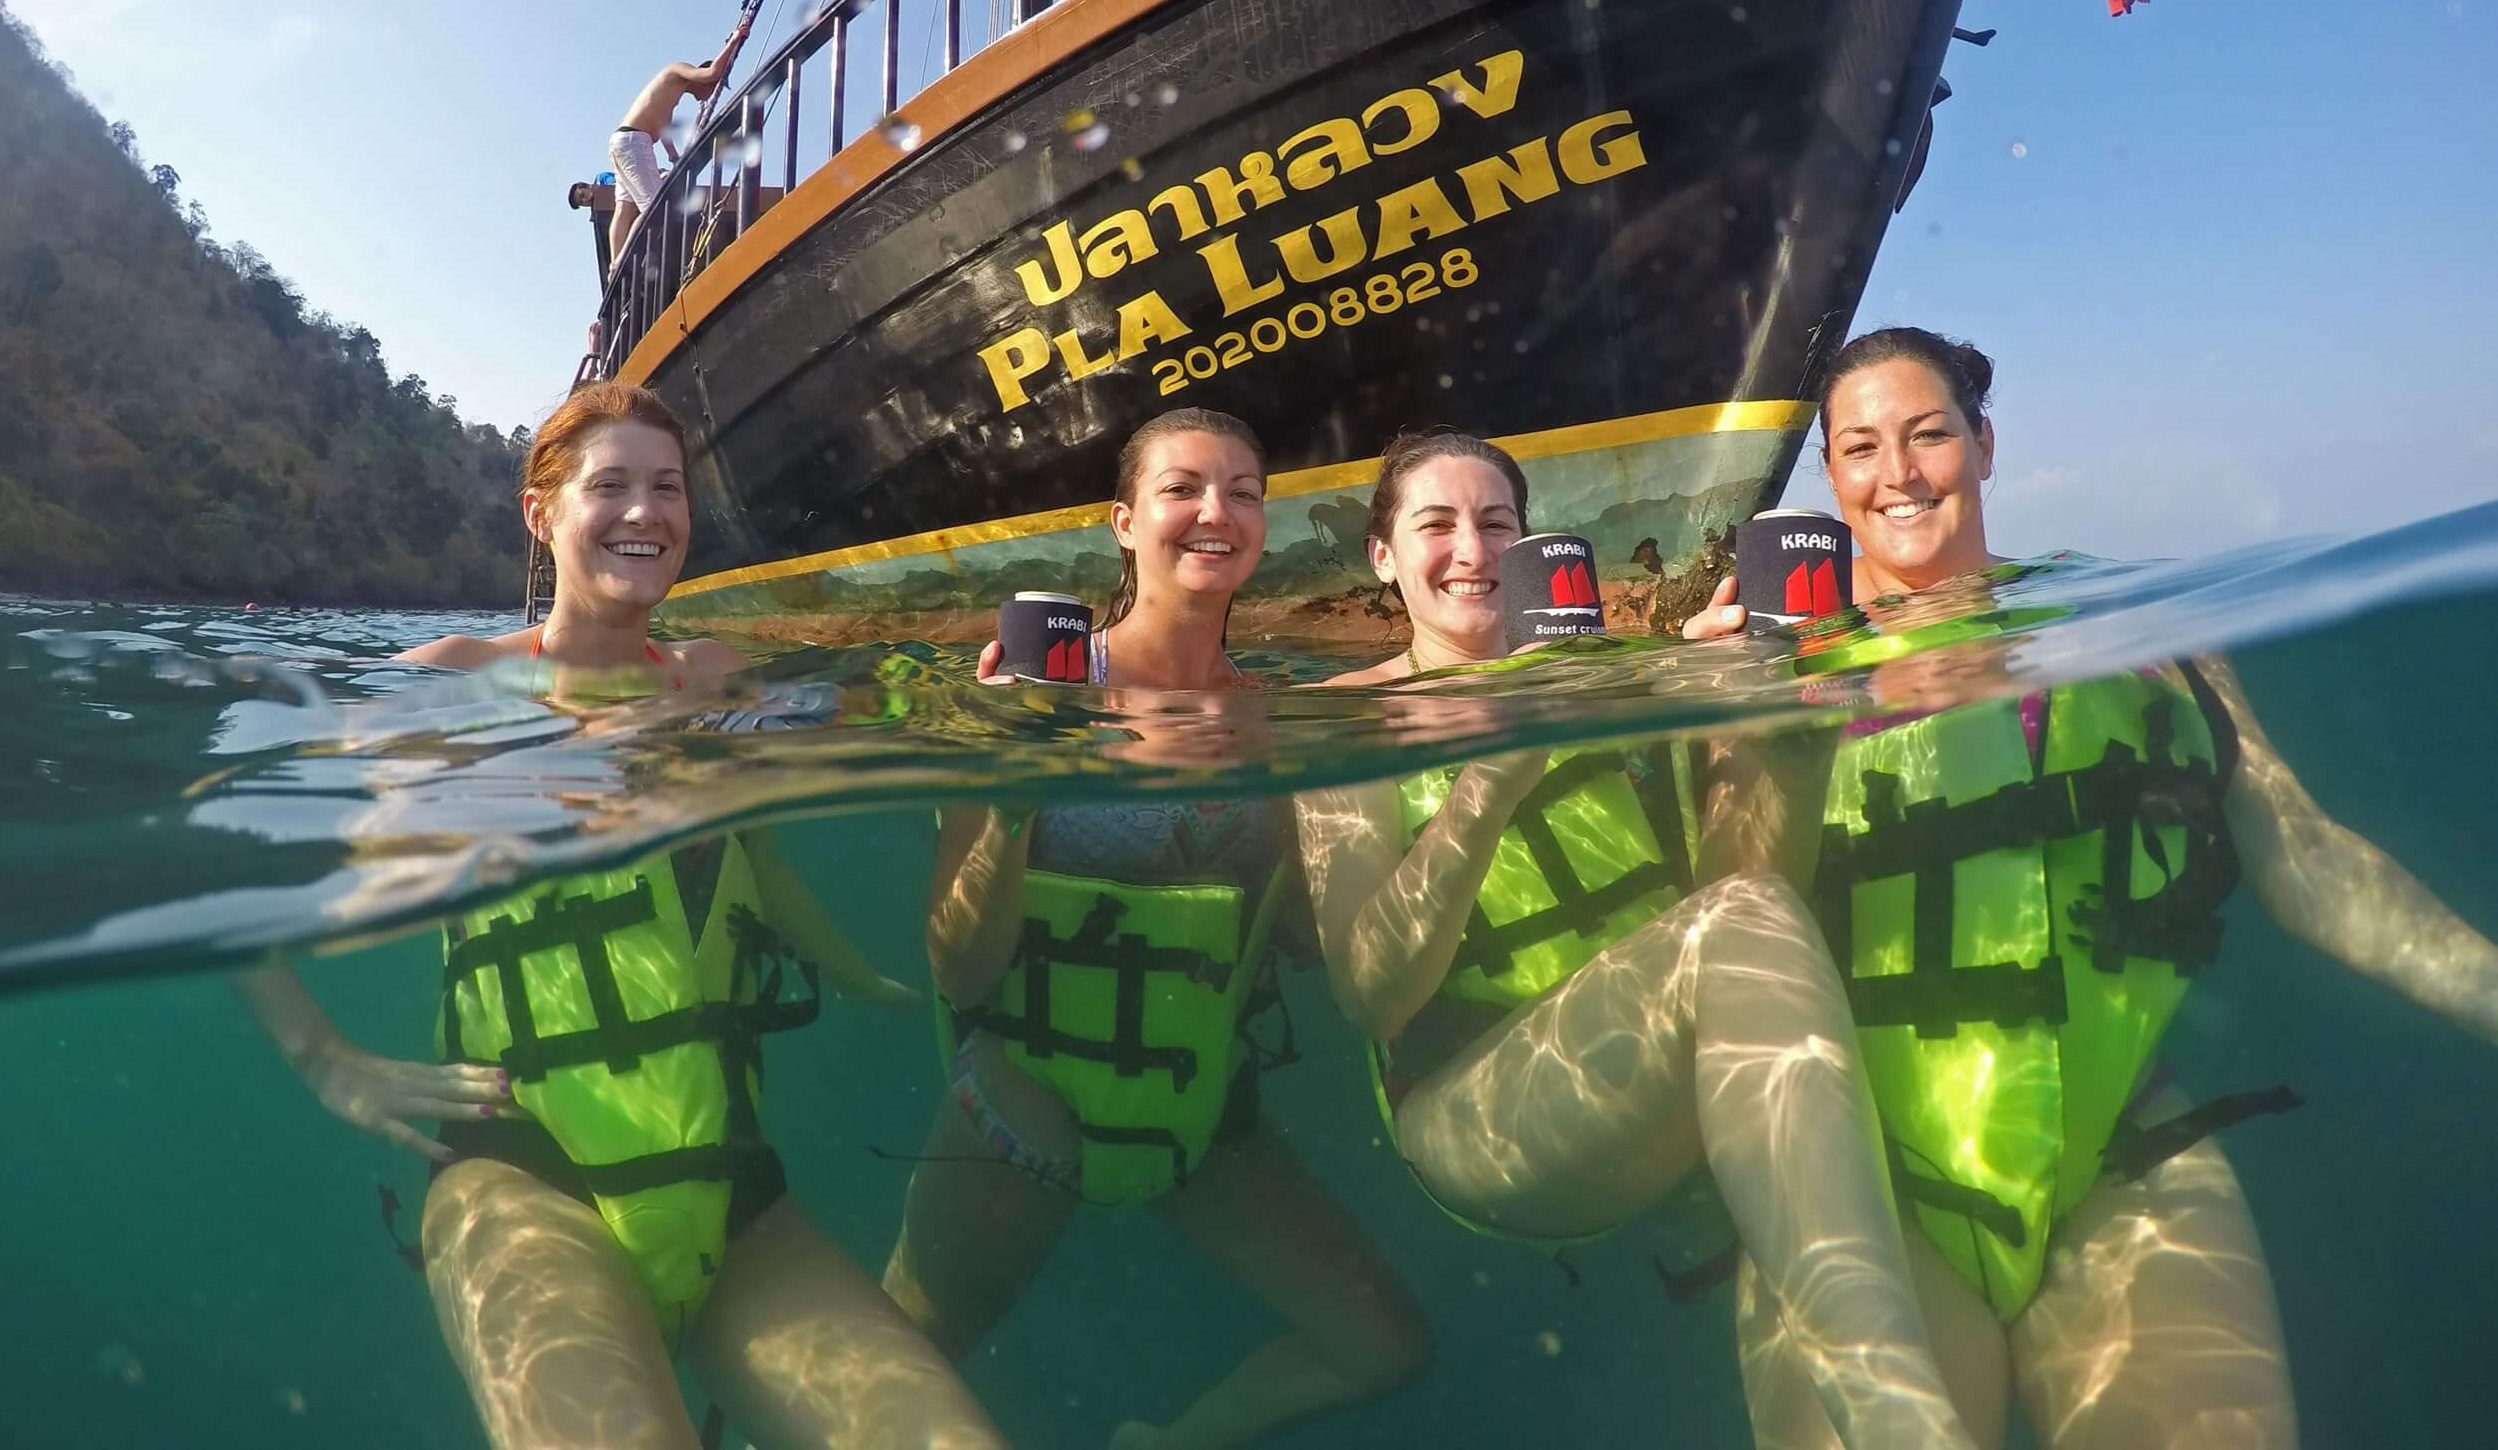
(197, 1248)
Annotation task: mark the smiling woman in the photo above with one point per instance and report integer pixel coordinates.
(601, 1042)
(1910, 450)
(604, 492)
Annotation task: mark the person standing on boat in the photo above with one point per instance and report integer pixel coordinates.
(2084, 1247)
(1554, 1055)
(633, 147)
(1045, 927)
(603, 1195)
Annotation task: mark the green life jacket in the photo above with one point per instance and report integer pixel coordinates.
(2016, 938)
(1537, 919)
(1593, 852)
(627, 1006)
(1127, 1001)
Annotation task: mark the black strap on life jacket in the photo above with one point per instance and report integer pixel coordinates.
(557, 919)
(2134, 1151)
(1933, 1190)
(2179, 923)
(1577, 907)
(1098, 944)
(1162, 1138)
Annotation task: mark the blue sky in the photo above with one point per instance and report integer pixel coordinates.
(2235, 259)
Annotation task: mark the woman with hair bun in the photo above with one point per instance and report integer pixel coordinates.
(2020, 890)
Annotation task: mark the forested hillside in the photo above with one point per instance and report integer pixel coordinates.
(177, 421)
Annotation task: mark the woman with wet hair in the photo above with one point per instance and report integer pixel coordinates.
(1098, 963)
(2082, 1245)
(603, 1196)
(1584, 973)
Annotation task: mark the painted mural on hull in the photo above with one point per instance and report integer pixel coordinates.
(1616, 237)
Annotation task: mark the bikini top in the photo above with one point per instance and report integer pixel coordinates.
(537, 646)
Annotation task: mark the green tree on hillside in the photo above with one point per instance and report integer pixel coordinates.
(177, 421)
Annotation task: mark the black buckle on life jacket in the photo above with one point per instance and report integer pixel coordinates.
(761, 956)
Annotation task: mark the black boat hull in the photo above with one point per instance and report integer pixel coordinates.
(1622, 237)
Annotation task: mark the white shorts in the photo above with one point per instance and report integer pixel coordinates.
(637, 166)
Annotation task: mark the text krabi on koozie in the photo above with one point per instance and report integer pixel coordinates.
(1548, 589)
(1792, 565)
(1046, 637)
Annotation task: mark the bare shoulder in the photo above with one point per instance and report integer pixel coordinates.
(462, 651)
(1391, 668)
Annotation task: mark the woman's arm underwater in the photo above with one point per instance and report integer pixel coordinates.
(2334, 890)
(1389, 919)
(378, 1094)
(975, 909)
(798, 916)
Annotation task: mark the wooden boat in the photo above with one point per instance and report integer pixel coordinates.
(1620, 236)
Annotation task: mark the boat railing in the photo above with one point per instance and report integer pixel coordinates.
(748, 155)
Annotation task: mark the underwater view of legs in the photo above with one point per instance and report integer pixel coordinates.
(1719, 1031)
(1248, 725)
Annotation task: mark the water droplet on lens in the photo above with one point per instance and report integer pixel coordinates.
(1548, 1344)
(1166, 94)
(1738, 15)
(1474, 314)
(1134, 100)
(495, 863)
(749, 150)
(1015, 142)
(116, 1361)
(1785, 226)
(1521, 346)
(293, 1399)
(1447, 382)
(1132, 169)
(1891, 147)
(1884, 88)
(2020, 149)
(1480, 1279)
(1492, 309)
(902, 133)
(1086, 131)
(690, 202)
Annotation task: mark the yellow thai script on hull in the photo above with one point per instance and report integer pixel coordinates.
(1382, 229)
(1305, 161)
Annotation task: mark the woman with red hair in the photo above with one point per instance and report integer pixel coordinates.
(603, 1196)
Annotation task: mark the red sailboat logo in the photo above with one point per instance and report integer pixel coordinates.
(1574, 587)
(1813, 589)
